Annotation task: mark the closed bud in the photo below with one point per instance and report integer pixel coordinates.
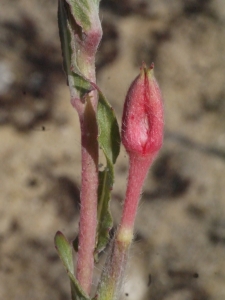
(142, 123)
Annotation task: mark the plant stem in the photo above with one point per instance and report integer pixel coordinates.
(89, 157)
(138, 170)
(89, 176)
(89, 187)
(112, 278)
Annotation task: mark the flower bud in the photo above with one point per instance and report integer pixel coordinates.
(142, 123)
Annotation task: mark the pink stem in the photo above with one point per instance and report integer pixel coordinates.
(138, 170)
(89, 187)
(84, 46)
(89, 159)
(89, 180)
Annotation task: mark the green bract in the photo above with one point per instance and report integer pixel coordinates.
(64, 250)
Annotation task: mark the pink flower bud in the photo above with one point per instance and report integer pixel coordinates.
(142, 123)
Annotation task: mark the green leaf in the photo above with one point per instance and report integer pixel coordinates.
(109, 142)
(81, 11)
(70, 32)
(105, 221)
(109, 135)
(64, 34)
(64, 250)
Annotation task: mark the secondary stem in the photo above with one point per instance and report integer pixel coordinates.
(112, 278)
(138, 170)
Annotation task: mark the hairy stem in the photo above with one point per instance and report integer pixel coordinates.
(112, 278)
(138, 170)
(89, 187)
(85, 60)
(89, 177)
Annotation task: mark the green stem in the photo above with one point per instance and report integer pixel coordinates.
(112, 276)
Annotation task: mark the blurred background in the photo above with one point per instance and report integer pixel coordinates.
(179, 248)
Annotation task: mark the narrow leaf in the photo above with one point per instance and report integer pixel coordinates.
(64, 34)
(64, 250)
(109, 142)
(105, 221)
(109, 135)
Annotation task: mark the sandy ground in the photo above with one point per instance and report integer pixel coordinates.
(179, 250)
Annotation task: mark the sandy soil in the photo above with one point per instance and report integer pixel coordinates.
(179, 252)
